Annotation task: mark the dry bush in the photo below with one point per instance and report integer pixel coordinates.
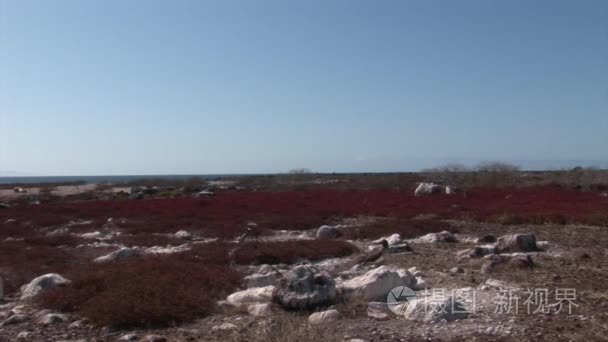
(288, 252)
(406, 228)
(20, 262)
(152, 291)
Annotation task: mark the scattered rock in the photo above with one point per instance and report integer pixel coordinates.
(251, 296)
(25, 336)
(121, 254)
(183, 235)
(456, 270)
(399, 248)
(443, 236)
(154, 338)
(420, 284)
(5, 205)
(77, 324)
(52, 318)
(425, 189)
(476, 252)
(377, 283)
(225, 327)
(10, 221)
(92, 235)
(128, 337)
(328, 232)
(305, 289)
(15, 319)
(42, 283)
(167, 250)
(260, 310)
(328, 316)
(517, 243)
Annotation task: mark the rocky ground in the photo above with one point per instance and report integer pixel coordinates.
(487, 281)
(573, 257)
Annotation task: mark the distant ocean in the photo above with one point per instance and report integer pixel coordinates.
(101, 179)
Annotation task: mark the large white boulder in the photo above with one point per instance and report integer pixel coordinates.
(121, 254)
(41, 284)
(377, 283)
(425, 189)
(251, 296)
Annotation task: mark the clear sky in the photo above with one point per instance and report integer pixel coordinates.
(154, 87)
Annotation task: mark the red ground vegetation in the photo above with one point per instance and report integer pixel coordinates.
(288, 252)
(226, 214)
(156, 291)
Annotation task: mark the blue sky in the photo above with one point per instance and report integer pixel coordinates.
(153, 87)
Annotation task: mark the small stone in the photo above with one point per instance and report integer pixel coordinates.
(128, 337)
(154, 338)
(25, 336)
(225, 327)
(16, 319)
(52, 318)
(328, 316)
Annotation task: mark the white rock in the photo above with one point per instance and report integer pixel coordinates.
(25, 336)
(92, 235)
(52, 318)
(251, 296)
(42, 283)
(260, 310)
(443, 236)
(376, 283)
(328, 232)
(128, 337)
(167, 250)
(182, 234)
(424, 189)
(421, 284)
(15, 319)
(121, 254)
(322, 317)
(225, 327)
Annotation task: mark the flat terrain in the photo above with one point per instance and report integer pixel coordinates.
(184, 253)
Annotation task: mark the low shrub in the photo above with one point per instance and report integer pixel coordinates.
(291, 251)
(151, 291)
